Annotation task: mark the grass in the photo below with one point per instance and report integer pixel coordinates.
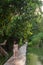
(37, 51)
(33, 55)
(3, 59)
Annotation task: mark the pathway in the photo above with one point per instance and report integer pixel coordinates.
(21, 60)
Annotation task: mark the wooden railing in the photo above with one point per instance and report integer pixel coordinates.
(2, 51)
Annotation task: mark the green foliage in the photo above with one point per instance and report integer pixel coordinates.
(36, 39)
(34, 55)
(20, 42)
(18, 20)
(14, 18)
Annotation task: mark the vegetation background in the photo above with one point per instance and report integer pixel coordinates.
(21, 20)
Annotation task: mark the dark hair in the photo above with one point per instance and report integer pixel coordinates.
(15, 40)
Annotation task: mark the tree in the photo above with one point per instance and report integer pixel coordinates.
(18, 19)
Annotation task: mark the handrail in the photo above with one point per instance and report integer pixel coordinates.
(4, 43)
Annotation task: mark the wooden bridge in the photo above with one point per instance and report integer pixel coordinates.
(20, 59)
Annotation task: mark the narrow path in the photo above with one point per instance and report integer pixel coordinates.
(21, 59)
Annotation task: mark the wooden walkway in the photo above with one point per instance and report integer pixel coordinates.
(21, 59)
